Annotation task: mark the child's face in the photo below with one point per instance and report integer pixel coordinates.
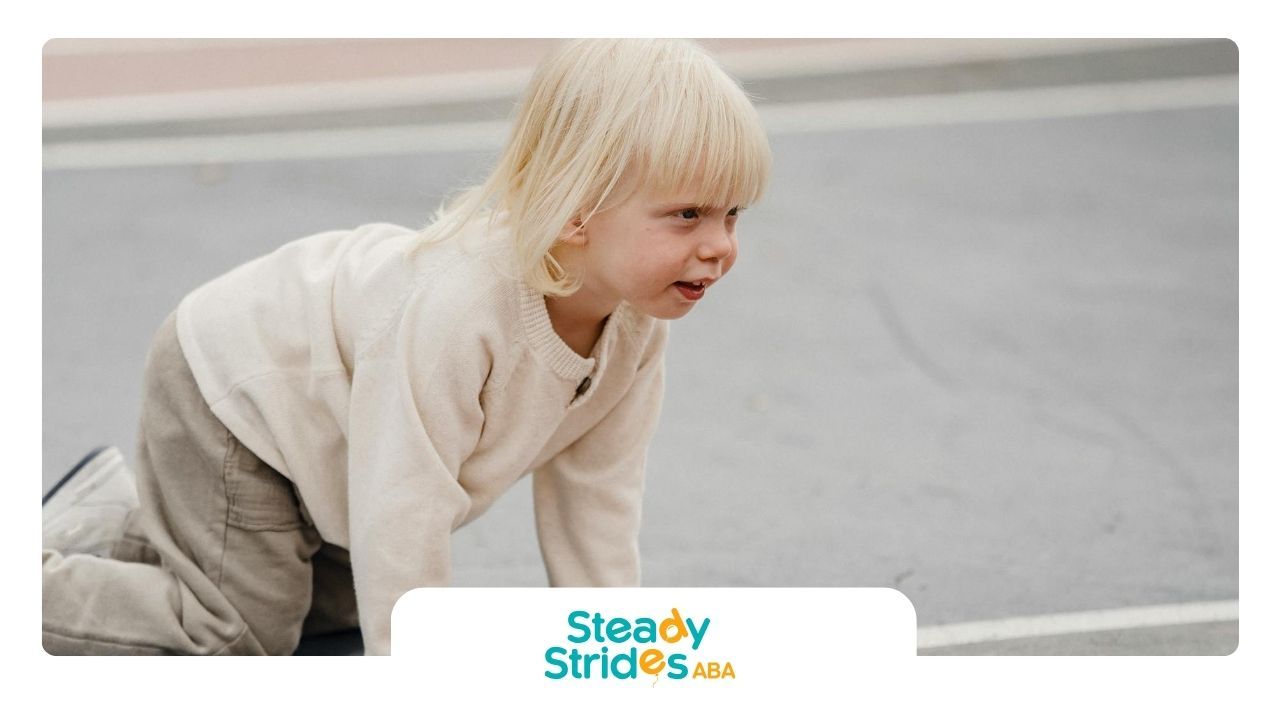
(647, 249)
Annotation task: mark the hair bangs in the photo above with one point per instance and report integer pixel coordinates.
(703, 140)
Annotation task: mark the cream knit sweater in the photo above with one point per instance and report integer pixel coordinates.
(403, 396)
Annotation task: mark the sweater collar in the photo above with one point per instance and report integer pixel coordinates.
(548, 344)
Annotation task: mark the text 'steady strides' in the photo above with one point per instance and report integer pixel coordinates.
(629, 661)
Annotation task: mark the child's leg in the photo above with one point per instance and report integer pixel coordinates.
(333, 598)
(233, 548)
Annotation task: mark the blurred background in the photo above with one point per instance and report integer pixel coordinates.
(981, 344)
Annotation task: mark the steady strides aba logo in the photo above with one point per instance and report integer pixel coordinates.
(640, 647)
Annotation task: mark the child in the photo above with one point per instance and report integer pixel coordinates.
(350, 399)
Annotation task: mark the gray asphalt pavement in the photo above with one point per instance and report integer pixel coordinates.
(992, 365)
(1196, 638)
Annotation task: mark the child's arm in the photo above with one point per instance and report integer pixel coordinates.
(587, 499)
(415, 415)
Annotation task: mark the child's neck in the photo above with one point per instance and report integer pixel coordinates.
(578, 321)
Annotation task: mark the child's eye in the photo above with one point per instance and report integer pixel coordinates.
(692, 213)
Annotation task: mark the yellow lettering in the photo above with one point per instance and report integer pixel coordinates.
(714, 671)
(676, 624)
(652, 661)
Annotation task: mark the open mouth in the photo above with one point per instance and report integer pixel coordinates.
(691, 290)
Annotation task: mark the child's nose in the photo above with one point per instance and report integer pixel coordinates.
(716, 245)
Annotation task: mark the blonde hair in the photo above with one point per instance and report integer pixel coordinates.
(600, 119)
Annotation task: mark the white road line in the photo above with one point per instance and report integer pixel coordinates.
(343, 143)
(818, 58)
(783, 119)
(1062, 624)
(367, 94)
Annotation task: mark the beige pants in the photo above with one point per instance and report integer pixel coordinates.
(219, 559)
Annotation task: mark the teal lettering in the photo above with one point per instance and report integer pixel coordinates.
(552, 652)
(619, 630)
(696, 633)
(650, 629)
(586, 631)
(675, 662)
(630, 658)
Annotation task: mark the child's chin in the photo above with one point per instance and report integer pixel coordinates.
(667, 313)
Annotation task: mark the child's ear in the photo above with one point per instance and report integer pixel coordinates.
(573, 232)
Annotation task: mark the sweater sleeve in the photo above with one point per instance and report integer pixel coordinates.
(415, 416)
(587, 499)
